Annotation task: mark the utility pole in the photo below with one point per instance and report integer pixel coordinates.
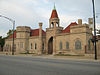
(94, 29)
(13, 21)
(13, 37)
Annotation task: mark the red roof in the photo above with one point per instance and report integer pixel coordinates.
(54, 14)
(67, 29)
(11, 36)
(35, 32)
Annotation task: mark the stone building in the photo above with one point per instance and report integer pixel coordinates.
(74, 39)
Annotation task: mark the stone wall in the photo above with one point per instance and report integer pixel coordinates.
(79, 32)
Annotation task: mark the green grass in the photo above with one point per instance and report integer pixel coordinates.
(67, 55)
(26, 53)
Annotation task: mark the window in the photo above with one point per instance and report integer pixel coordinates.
(18, 44)
(31, 46)
(8, 45)
(14, 47)
(60, 45)
(78, 45)
(42, 46)
(10, 48)
(35, 46)
(89, 46)
(67, 45)
(21, 44)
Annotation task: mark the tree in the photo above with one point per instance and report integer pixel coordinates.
(2, 42)
(10, 32)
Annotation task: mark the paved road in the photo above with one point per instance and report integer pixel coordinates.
(21, 65)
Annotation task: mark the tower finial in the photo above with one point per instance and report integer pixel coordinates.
(54, 7)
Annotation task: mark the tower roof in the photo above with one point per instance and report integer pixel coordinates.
(54, 13)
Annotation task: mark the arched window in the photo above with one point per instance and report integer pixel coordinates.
(35, 46)
(78, 45)
(21, 44)
(31, 46)
(60, 45)
(42, 46)
(67, 45)
(18, 44)
(89, 45)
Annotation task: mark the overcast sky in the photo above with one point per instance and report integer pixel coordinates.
(31, 12)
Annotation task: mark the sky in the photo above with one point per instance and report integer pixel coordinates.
(31, 12)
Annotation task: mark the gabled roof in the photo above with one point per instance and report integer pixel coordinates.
(67, 29)
(11, 36)
(35, 32)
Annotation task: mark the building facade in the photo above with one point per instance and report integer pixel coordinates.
(74, 39)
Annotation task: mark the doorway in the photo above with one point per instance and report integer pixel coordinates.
(50, 46)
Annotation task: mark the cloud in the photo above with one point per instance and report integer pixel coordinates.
(30, 12)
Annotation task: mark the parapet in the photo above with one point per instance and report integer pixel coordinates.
(23, 29)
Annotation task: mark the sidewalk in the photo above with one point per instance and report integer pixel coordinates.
(61, 57)
(87, 58)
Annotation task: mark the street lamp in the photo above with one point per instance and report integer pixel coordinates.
(13, 21)
(94, 30)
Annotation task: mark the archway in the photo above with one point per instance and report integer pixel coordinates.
(50, 46)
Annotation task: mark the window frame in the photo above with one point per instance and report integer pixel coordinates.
(78, 45)
(35, 46)
(21, 44)
(67, 45)
(31, 46)
(60, 45)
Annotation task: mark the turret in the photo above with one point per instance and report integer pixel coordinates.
(54, 19)
(22, 32)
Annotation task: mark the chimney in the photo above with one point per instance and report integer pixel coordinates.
(80, 21)
(40, 39)
(40, 29)
(90, 21)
